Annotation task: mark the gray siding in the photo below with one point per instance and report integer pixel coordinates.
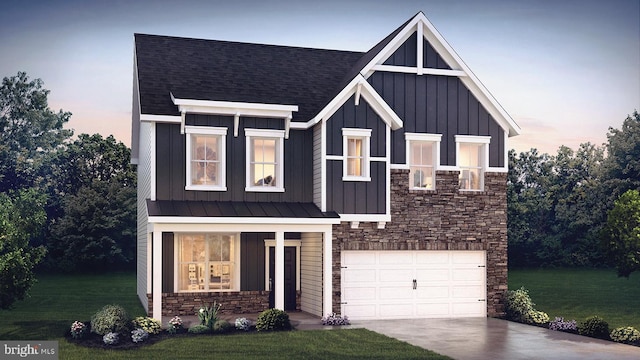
(143, 193)
(171, 162)
(311, 273)
(356, 197)
(438, 105)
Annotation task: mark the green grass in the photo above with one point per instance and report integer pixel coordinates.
(578, 294)
(57, 300)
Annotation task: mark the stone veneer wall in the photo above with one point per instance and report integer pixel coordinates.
(236, 302)
(442, 219)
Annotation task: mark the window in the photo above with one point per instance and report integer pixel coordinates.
(265, 160)
(472, 155)
(206, 168)
(422, 158)
(208, 262)
(355, 150)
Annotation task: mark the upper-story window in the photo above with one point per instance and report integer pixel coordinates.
(422, 158)
(472, 159)
(206, 160)
(356, 154)
(265, 160)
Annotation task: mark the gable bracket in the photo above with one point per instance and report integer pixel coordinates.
(358, 91)
(236, 124)
(183, 115)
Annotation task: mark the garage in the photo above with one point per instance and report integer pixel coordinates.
(413, 284)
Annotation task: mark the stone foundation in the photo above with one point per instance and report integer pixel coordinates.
(442, 219)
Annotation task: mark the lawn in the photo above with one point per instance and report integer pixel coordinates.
(56, 301)
(579, 293)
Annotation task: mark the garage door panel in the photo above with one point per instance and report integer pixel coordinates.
(360, 311)
(432, 292)
(395, 258)
(432, 310)
(397, 292)
(432, 259)
(470, 308)
(423, 275)
(360, 293)
(360, 257)
(467, 257)
(469, 291)
(397, 275)
(355, 276)
(395, 311)
(474, 274)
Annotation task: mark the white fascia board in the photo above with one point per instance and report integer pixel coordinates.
(423, 71)
(365, 217)
(335, 103)
(183, 227)
(242, 220)
(233, 108)
(171, 119)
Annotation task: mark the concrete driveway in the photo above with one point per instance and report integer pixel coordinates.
(487, 338)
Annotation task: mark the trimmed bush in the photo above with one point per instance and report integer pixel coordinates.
(626, 335)
(272, 320)
(111, 338)
(111, 318)
(243, 324)
(199, 329)
(559, 324)
(221, 326)
(594, 327)
(139, 335)
(150, 325)
(537, 317)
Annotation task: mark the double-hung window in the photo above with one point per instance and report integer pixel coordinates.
(472, 157)
(265, 160)
(356, 154)
(208, 262)
(206, 160)
(422, 158)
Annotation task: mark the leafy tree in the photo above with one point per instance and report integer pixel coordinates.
(621, 234)
(28, 130)
(21, 217)
(621, 168)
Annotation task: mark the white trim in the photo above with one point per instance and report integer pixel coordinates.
(327, 271)
(170, 119)
(247, 226)
(157, 275)
(420, 50)
(483, 141)
(355, 224)
(287, 243)
(221, 134)
(388, 171)
(448, 168)
(265, 133)
(323, 166)
(242, 220)
(422, 71)
(472, 139)
(365, 217)
(152, 140)
(436, 139)
(378, 158)
(365, 136)
(399, 167)
(232, 108)
(334, 157)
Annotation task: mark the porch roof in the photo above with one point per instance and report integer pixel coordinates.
(175, 208)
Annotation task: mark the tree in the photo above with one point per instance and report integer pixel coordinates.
(621, 234)
(21, 217)
(28, 130)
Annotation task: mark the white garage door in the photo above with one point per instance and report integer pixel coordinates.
(413, 284)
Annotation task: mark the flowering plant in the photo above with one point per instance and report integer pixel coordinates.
(209, 315)
(626, 335)
(560, 324)
(139, 335)
(78, 330)
(110, 338)
(335, 319)
(174, 325)
(150, 325)
(243, 324)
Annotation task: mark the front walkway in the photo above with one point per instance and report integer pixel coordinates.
(488, 338)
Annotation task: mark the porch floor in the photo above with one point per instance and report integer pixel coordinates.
(300, 320)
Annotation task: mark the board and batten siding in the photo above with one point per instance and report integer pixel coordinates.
(143, 193)
(311, 273)
(437, 105)
(405, 55)
(171, 162)
(252, 258)
(317, 165)
(356, 197)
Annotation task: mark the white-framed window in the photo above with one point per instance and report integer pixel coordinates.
(265, 160)
(206, 158)
(472, 157)
(356, 154)
(423, 158)
(208, 262)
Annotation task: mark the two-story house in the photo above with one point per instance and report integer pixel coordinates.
(368, 184)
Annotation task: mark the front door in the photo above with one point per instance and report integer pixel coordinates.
(289, 277)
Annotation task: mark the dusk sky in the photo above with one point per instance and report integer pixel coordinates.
(564, 70)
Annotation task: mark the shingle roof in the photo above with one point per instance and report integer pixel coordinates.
(233, 71)
(236, 209)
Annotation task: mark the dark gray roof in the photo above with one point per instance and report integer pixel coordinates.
(236, 209)
(234, 71)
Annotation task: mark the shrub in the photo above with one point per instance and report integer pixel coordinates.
(222, 326)
(110, 338)
(199, 329)
(175, 325)
(626, 335)
(139, 335)
(335, 319)
(559, 324)
(150, 325)
(79, 330)
(273, 319)
(243, 324)
(518, 305)
(594, 327)
(111, 318)
(537, 317)
(209, 315)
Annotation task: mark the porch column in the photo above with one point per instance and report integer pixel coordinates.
(157, 275)
(327, 270)
(279, 268)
